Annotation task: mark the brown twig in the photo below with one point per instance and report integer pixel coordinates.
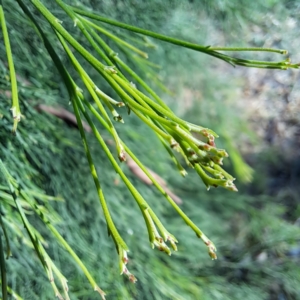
(63, 114)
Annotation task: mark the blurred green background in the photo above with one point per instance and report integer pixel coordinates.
(255, 112)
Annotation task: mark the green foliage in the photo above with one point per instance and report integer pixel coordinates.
(46, 158)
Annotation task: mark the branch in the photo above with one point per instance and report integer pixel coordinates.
(63, 114)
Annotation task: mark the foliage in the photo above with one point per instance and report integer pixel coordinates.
(50, 165)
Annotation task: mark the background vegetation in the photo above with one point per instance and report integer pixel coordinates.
(256, 230)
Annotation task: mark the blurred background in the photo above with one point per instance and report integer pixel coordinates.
(256, 113)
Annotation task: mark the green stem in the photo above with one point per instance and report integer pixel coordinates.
(252, 49)
(205, 49)
(16, 112)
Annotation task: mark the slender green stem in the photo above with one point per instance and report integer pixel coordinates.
(200, 129)
(220, 169)
(252, 49)
(188, 137)
(48, 262)
(79, 24)
(109, 52)
(16, 112)
(108, 218)
(205, 49)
